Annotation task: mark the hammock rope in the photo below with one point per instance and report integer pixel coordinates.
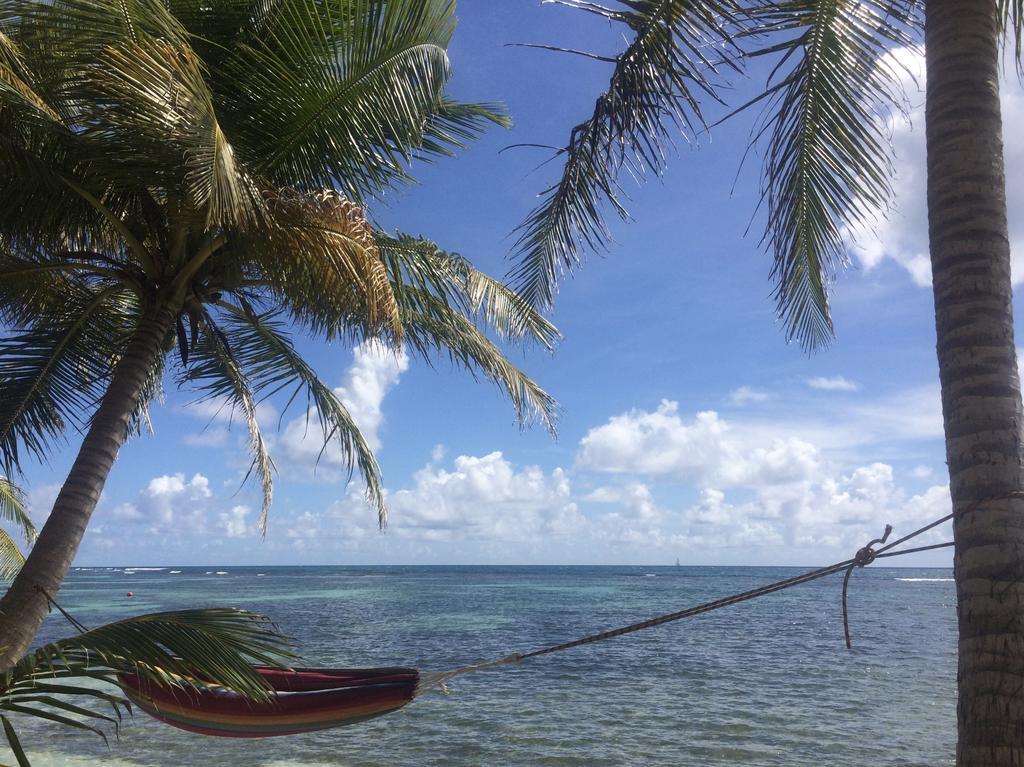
(864, 557)
(312, 699)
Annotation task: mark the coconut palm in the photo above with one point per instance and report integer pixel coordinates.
(183, 183)
(828, 167)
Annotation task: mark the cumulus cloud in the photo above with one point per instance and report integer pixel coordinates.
(485, 497)
(374, 372)
(479, 499)
(235, 523)
(902, 236)
(168, 501)
(176, 506)
(835, 383)
(704, 451)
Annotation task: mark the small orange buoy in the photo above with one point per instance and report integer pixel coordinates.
(131, 594)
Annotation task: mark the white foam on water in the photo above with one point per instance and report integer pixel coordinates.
(260, 575)
(916, 580)
(650, 575)
(175, 572)
(222, 572)
(209, 572)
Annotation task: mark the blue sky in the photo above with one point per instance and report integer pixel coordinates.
(688, 428)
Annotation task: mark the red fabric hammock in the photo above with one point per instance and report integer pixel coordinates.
(304, 700)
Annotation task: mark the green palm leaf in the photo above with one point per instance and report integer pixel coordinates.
(339, 92)
(828, 159)
(262, 348)
(433, 328)
(11, 558)
(187, 649)
(53, 371)
(673, 53)
(220, 376)
(419, 263)
(154, 105)
(13, 509)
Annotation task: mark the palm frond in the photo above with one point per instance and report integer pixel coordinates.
(219, 376)
(16, 82)
(154, 115)
(674, 51)
(828, 159)
(454, 124)
(11, 558)
(337, 93)
(13, 508)
(184, 648)
(433, 328)
(263, 349)
(422, 264)
(53, 371)
(187, 649)
(318, 257)
(1011, 17)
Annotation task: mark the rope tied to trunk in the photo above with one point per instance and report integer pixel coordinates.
(865, 556)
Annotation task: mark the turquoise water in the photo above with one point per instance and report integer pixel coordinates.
(767, 682)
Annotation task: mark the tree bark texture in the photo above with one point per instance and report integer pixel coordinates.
(981, 401)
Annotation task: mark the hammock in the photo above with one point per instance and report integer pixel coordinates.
(304, 700)
(310, 699)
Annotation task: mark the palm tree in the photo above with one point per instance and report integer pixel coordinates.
(828, 166)
(183, 182)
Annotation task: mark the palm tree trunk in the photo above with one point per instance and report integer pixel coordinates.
(981, 401)
(24, 606)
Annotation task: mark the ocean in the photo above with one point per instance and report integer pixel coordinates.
(766, 682)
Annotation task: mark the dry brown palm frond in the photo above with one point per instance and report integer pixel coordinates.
(319, 252)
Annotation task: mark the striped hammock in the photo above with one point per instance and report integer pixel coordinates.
(304, 700)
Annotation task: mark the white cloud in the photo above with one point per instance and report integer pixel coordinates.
(835, 512)
(704, 451)
(634, 501)
(903, 236)
(235, 523)
(835, 383)
(479, 499)
(374, 372)
(169, 497)
(172, 504)
(486, 497)
(747, 394)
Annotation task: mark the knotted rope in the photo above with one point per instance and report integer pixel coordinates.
(864, 557)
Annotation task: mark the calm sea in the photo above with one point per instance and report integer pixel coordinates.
(767, 682)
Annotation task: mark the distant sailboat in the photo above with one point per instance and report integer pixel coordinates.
(677, 561)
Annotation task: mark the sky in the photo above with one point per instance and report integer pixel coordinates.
(689, 429)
